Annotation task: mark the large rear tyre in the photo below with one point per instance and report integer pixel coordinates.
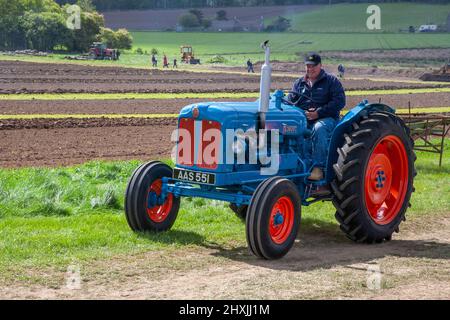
(374, 178)
(144, 209)
(273, 218)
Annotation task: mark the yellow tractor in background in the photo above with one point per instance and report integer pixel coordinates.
(187, 55)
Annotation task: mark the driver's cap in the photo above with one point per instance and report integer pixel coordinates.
(313, 58)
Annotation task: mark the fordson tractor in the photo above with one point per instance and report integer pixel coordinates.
(256, 156)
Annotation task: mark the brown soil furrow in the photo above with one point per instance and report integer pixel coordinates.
(15, 124)
(67, 146)
(100, 106)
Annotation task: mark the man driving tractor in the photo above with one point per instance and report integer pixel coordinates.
(323, 96)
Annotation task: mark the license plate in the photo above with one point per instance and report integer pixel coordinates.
(194, 176)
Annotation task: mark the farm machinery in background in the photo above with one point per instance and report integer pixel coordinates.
(443, 74)
(99, 51)
(187, 55)
(370, 169)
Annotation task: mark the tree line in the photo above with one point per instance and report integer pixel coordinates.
(104, 5)
(42, 25)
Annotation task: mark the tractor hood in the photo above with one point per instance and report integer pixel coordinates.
(221, 112)
(234, 114)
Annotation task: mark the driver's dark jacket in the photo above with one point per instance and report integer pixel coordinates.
(327, 95)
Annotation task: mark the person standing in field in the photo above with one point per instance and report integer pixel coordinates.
(341, 71)
(154, 63)
(175, 63)
(250, 66)
(165, 63)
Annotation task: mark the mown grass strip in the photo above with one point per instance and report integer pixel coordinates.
(191, 95)
(127, 96)
(395, 91)
(397, 80)
(424, 110)
(84, 116)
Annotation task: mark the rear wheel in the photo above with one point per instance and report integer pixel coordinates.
(374, 178)
(273, 218)
(145, 210)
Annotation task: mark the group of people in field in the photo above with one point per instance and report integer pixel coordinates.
(165, 62)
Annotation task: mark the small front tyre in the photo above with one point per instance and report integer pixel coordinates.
(273, 218)
(144, 208)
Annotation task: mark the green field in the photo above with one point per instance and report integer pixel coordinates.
(52, 217)
(236, 48)
(353, 17)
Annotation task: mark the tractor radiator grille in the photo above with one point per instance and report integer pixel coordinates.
(199, 143)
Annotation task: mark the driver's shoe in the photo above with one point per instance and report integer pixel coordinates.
(316, 174)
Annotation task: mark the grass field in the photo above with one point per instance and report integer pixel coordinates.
(236, 48)
(52, 217)
(352, 17)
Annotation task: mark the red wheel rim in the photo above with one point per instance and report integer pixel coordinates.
(158, 213)
(386, 180)
(281, 220)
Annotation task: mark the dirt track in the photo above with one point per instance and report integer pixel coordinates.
(323, 264)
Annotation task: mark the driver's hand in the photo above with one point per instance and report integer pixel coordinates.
(312, 115)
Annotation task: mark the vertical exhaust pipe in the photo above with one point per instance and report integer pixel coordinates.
(264, 87)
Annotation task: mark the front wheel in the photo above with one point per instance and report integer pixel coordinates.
(374, 178)
(145, 210)
(273, 218)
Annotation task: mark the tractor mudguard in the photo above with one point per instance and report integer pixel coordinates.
(337, 138)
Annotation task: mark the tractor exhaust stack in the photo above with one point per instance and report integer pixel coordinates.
(264, 87)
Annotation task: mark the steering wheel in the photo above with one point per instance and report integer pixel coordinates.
(305, 106)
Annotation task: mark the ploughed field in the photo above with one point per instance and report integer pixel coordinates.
(63, 139)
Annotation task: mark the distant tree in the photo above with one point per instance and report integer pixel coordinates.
(108, 37)
(120, 39)
(154, 51)
(188, 20)
(124, 39)
(221, 15)
(81, 39)
(44, 30)
(279, 25)
(206, 23)
(86, 5)
(198, 14)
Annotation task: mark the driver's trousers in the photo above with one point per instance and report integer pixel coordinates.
(321, 135)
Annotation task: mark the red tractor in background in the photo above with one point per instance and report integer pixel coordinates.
(99, 51)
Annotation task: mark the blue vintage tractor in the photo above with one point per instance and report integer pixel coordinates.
(256, 156)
